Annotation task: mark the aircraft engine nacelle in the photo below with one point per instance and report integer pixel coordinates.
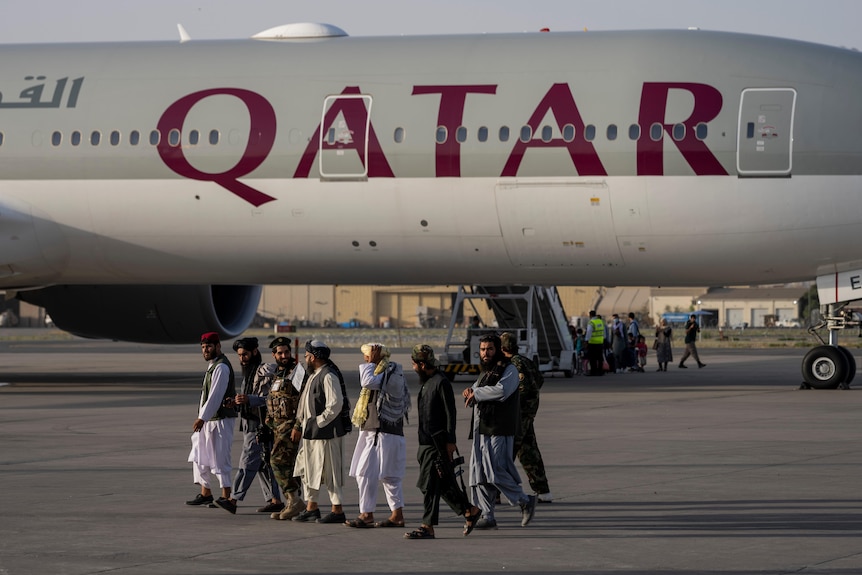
(148, 314)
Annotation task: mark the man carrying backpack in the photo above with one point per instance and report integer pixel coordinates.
(381, 451)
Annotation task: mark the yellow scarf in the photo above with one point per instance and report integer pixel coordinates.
(360, 412)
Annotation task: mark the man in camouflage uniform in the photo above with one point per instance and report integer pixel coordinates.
(281, 404)
(530, 380)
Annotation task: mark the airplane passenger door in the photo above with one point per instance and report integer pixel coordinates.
(765, 140)
(344, 130)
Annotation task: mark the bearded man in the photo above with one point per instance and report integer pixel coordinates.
(322, 421)
(212, 431)
(251, 404)
(496, 416)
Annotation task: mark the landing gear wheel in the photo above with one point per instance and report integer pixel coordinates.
(851, 365)
(825, 367)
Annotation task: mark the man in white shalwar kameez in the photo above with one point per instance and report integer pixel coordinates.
(212, 435)
(496, 416)
(381, 451)
(320, 423)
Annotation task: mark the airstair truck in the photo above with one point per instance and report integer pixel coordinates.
(533, 313)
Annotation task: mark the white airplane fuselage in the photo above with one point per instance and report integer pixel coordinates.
(564, 202)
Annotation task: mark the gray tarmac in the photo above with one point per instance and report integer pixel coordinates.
(730, 469)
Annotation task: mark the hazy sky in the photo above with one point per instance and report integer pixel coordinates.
(835, 22)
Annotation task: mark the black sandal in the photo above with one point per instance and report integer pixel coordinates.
(470, 522)
(359, 522)
(420, 533)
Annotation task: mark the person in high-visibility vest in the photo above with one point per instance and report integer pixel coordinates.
(595, 343)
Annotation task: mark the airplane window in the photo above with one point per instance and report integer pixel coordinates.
(678, 132)
(115, 138)
(56, 138)
(214, 136)
(526, 133)
(612, 132)
(482, 134)
(155, 138)
(701, 131)
(95, 138)
(504, 134)
(134, 137)
(547, 133)
(461, 134)
(76, 138)
(634, 132)
(442, 134)
(194, 137)
(655, 132)
(174, 138)
(568, 132)
(1, 138)
(590, 133)
(749, 130)
(330, 136)
(399, 135)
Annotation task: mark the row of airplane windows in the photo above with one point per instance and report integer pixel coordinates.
(546, 134)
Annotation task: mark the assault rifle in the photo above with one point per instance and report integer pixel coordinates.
(450, 472)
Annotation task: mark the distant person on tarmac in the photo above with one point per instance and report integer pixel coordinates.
(662, 344)
(595, 337)
(691, 331)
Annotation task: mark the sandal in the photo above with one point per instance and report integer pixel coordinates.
(420, 533)
(388, 523)
(470, 521)
(359, 522)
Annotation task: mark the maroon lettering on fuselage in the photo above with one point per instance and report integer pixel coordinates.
(261, 137)
(561, 103)
(707, 105)
(558, 101)
(355, 116)
(450, 115)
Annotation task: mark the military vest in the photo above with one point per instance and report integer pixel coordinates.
(283, 398)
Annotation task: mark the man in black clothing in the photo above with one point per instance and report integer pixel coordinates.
(436, 406)
(691, 331)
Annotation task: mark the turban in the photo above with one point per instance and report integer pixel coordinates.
(317, 348)
(249, 343)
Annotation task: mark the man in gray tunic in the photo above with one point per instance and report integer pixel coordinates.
(496, 415)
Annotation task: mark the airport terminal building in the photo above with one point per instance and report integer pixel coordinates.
(431, 306)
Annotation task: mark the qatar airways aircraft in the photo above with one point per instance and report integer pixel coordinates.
(164, 182)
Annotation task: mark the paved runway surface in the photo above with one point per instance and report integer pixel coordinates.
(728, 469)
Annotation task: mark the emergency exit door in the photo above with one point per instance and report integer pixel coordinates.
(765, 141)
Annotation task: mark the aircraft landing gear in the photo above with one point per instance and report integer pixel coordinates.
(830, 366)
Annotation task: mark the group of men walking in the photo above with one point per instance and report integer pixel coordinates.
(294, 420)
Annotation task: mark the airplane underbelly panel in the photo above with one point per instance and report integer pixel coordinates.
(33, 249)
(557, 223)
